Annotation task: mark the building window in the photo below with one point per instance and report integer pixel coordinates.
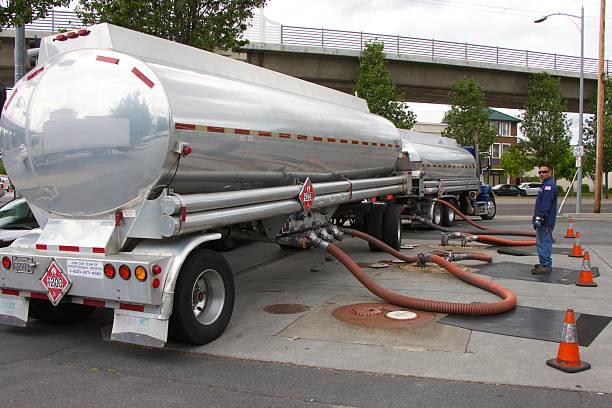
(504, 128)
(504, 148)
(495, 151)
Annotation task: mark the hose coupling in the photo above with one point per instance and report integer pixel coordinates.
(422, 259)
(324, 235)
(317, 242)
(336, 233)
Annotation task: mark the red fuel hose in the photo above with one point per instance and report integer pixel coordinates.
(504, 242)
(487, 231)
(508, 302)
(473, 231)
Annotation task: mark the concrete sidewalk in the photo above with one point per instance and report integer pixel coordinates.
(314, 338)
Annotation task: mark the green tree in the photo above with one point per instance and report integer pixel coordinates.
(467, 115)
(206, 24)
(590, 137)
(373, 83)
(543, 121)
(566, 167)
(18, 13)
(515, 162)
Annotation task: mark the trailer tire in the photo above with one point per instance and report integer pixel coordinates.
(374, 223)
(448, 215)
(64, 313)
(392, 226)
(203, 298)
(491, 208)
(437, 213)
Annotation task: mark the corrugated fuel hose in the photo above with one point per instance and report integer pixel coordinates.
(508, 302)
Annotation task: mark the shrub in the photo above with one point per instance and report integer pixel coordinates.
(585, 188)
(560, 190)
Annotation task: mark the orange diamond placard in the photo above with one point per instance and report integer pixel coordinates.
(307, 195)
(56, 282)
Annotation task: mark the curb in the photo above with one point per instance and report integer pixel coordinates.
(601, 216)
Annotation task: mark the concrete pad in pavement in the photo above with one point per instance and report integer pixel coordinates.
(314, 338)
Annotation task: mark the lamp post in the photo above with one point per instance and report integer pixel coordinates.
(580, 101)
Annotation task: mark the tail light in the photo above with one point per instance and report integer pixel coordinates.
(109, 271)
(72, 34)
(83, 32)
(156, 270)
(61, 37)
(155, 283)
(6, 262)
(140, 273)
(125, 272)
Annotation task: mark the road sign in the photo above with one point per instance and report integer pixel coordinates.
(307, 195)
(578, 161)
(56, 282)
(578, 151)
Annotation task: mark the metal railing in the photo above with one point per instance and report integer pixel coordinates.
(432, 48)
(396, 44)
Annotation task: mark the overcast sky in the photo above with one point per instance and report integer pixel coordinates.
(502, 23)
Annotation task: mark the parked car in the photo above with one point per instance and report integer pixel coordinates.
(508, 190)
(16, 219)
(530, 188)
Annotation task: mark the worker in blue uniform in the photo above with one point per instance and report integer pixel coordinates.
(544, 218)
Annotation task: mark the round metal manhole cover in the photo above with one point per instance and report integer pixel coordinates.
(286, 308)
(375, 315)
(458, 248)
(401, 315)
(408, 246)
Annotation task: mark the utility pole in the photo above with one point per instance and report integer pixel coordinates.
(600, 108)
(19, 52)
(581, 115)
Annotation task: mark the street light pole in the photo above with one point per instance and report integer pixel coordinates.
(580, 102)
(580, 116)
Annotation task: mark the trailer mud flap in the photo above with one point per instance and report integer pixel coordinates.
(139, 329)
(14, 310)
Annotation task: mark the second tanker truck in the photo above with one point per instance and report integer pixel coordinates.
(147, 155)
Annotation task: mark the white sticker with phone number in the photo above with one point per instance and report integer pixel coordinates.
(85, 269)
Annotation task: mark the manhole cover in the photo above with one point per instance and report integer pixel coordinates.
(375, 315)
(458, 248)
(408, 246)
(379, 265)
(429, 267)
(286, 308)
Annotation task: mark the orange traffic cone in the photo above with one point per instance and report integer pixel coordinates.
(569, 233)
(586, 275)
(568, 356)
(577, 248)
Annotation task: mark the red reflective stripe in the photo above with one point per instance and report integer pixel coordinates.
(12, 292)
(110, 60)
(264, 134)
(284, 135)
(128, 306)
(343, 141)
(317, 138)
(69, 248)
(8, 102)
(302, 137)
(33, 74)
(331, 140)
(38, 295)
(184, 126)
(365, 143)
(94, 302)
(142, 77)
(354, 141)
(215, 129)
(98, 250)
(242, 131)
(183, 213)
(41, 246)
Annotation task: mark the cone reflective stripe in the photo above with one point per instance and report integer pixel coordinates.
(577, 248)
(586, 274)
(569, 233)
(568, 356)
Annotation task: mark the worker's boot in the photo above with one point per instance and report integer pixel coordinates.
(541, 270)
(536, 266)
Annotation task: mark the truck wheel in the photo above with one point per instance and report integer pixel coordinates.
(64, 313)
(437, 214)
(203, 298)
(491, 209)
(448, 215)
(392, 226)
(374, 223)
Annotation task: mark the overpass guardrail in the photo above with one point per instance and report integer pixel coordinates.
(396, 44)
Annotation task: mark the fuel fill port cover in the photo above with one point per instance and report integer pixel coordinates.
(401, 315)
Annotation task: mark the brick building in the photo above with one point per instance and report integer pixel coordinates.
(507, 131)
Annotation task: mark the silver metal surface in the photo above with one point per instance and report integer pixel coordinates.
(108, 142)
(208, 296)
(145, 329)
(203, 202)
(437, 157)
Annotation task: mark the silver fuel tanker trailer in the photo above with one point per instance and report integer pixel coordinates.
(148, 156)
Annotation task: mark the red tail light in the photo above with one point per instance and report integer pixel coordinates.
(6, 262)
(72, 34)
(109, 271)
(125, 272)
(156, 270)
(61, 37)
(83, 32)
(155, 283)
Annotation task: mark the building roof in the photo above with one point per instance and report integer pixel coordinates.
(497, 115)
